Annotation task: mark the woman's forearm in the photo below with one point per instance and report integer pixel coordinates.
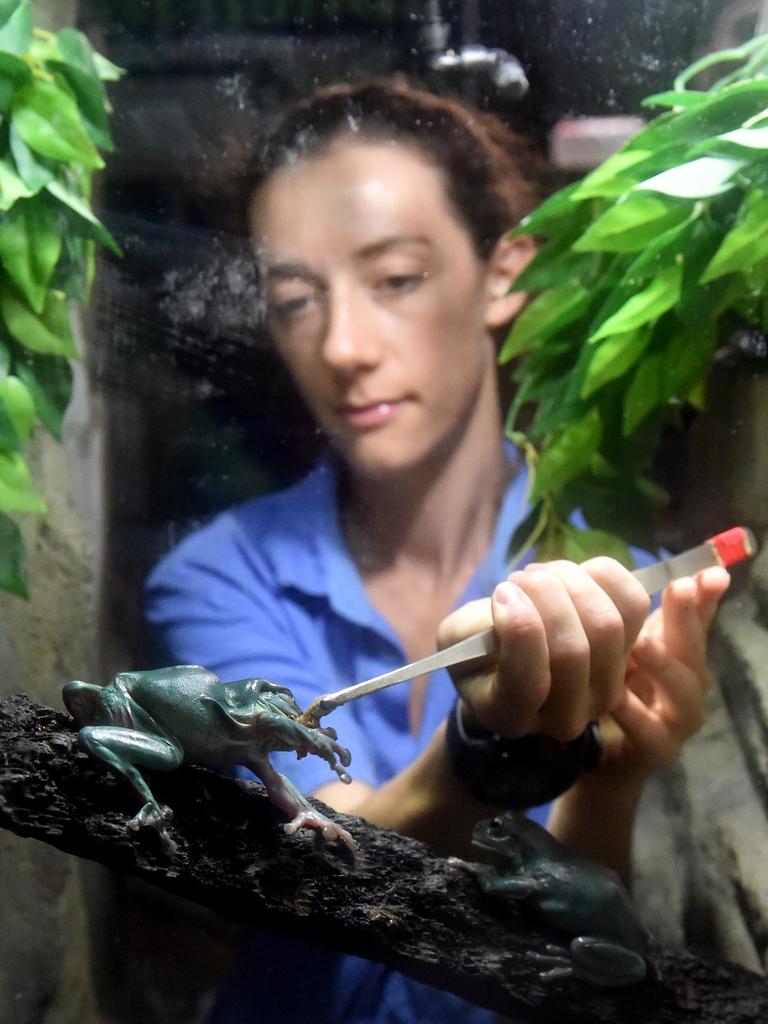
(596, 817)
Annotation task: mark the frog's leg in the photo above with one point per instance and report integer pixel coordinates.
(127, 750)
(284, 795)
(509, 887)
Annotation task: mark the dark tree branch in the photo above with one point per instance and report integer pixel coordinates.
(395, 903)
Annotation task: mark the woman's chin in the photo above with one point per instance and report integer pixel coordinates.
(382, 463)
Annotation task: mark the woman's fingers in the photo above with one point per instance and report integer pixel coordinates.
(628, 595)
(611, 607)
(506, 696)
(663, 706)
(688, 607)
(522, 681)
(678, 696)
(564, 632)
(592, 614)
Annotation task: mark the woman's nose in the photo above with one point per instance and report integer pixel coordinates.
(350, 339)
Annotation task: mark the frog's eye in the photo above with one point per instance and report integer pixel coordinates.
(495, 826)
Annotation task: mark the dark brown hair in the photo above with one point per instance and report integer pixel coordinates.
(493, 177)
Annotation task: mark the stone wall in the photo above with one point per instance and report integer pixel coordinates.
(701, 870)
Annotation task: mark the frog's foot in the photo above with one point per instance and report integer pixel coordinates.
(593, 960)
(330, 831)
(155, 816)
(556, 963)
(458, 863)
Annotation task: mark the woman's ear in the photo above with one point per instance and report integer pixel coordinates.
(508, 259)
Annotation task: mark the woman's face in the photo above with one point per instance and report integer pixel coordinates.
(377, 302)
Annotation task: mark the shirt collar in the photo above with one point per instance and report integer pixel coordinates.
(308, 551)
(310, 556)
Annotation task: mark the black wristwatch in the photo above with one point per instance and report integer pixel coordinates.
(519, 773)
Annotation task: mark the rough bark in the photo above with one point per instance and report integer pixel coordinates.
(394, 903)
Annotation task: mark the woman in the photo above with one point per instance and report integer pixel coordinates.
(381, 217)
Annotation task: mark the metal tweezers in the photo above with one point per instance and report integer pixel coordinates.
(724, 549)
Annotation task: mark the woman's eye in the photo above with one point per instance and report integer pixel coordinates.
(399, 283)
(285, 310)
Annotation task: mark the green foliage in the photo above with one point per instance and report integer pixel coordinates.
(53, 121)
(638, 264)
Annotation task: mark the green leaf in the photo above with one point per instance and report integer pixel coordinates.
(89, 223)
(106, 70)
(48, 332)
(558, 405)
(9, 439)
(14, 72)
(631, 224)
(557, 211)
(698, 179)
(17, 491)
(579, 545)
(19, 406)
(645, 393)
(70, 275)
(48, 120)
(29, 249)
(619, 501)
(525, 535)
(15, 69)
(567, 455)
(92, 101)
(669, 247)
(7, 8)
(682, 359)
(11, 185)
(659, 296)
(685, 99)
(49, 379)
(746, 243)
(16, 33)
(6, 93)
(541, 374)
(746, 138)
(13, 559)
(757, 276)
(613, 357)
(554, 263)
(720, 112)
(76, 50)
(548, 312)
(33, 172)
(608, 180)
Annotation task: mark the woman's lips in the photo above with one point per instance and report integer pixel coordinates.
(366, 417)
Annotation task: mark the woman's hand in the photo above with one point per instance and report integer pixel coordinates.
(565, 632)
(667, 681)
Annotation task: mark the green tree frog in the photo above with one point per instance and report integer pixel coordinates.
(571, 893)
(158, 719)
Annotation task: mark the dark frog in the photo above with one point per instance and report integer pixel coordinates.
(575, 895)
(159, 719)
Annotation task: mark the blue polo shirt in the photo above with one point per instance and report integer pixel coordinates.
(268, 589)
